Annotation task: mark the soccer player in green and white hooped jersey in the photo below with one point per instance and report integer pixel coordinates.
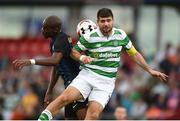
(96, 81)
(105, 51)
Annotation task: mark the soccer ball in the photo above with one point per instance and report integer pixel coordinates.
(85, 26)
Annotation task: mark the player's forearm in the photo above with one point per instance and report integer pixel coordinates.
(53, 80)
(46, 62)
(49, 61)
(139, 59)
(82, 58)
(75, 55)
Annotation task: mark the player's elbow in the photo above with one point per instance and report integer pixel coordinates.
(73, 53)
(55, 62)
(55, 59)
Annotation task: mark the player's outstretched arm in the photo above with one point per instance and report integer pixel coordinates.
(139, 59)
(49, 61)
(53, 80)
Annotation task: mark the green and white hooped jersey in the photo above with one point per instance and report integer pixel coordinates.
(104, 50)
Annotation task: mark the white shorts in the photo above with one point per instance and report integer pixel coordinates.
(95, 87)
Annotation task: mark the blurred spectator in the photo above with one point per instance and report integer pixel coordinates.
(126, 102)
(120, 113)
(160, 100)
(173, 97)
(30, 101)
(138, 108)
(167, 52)
(160, 88)
(167, 62)
(153, 113)
(1, 115)
(4, 62)
(19, 113)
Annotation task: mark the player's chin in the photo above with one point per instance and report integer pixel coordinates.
(106, 31)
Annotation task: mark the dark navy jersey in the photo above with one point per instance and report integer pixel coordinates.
(67, 67)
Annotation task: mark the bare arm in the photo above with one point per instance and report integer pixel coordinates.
(52, 83)
(53, 79)
(49, 61)
(75, 55)
(82, 58)
(139, 59)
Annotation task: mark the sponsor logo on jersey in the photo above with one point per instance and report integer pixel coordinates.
(105, 55)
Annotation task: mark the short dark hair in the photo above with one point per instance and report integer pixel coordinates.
(53, 21)
(104, 12)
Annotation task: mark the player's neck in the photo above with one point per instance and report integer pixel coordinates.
(55, 35)
(107, 34)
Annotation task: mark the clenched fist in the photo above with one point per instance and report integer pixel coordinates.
(86, 59)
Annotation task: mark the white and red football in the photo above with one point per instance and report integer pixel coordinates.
(85, 26)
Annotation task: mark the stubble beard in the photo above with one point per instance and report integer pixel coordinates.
(106, 32)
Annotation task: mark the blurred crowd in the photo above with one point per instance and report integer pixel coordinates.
(142, 96)
(145, 97)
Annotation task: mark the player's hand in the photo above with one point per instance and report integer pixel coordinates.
(161, 76)
(86, 59)
(47, 99)
(20, 63)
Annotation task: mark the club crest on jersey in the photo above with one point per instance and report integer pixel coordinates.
(115, 43)
(98, 45)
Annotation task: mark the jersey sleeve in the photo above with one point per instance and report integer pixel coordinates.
(81, 44)
(127, 44)
(60, 45)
